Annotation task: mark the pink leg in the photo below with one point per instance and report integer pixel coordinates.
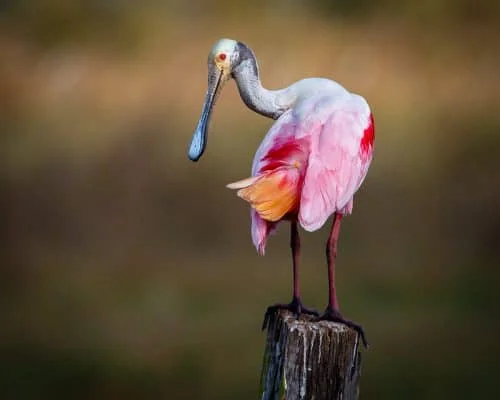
(295, 246)
(331, 257)
(332, 312)
(295, 305)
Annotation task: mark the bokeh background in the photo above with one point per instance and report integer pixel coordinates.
(128, 272)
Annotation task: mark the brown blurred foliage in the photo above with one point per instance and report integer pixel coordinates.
(128, 272)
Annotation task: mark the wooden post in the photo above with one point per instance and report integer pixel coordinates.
(307, 360)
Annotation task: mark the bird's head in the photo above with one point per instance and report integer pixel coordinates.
(223, 57)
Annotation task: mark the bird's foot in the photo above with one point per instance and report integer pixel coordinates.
(294, 306)
(334, 315)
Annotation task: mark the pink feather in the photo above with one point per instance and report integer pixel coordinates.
(331, 141)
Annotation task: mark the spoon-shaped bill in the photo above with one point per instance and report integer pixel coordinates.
(199, 141)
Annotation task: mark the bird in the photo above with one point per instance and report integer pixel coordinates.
(309, 165)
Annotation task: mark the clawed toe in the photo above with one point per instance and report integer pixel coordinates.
(335, 316)
(294, 306)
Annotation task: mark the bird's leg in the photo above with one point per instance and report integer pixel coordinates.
(331, 257)
(332, 312)
(295, 305)
(296, 299)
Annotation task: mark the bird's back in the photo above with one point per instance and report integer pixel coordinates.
(317, 99)
(331, 135)
(311, 162)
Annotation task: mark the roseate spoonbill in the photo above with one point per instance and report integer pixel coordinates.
(309, 165)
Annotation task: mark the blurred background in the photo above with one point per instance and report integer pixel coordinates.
(128, 272)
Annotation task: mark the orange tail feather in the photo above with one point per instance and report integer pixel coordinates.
(273, 194)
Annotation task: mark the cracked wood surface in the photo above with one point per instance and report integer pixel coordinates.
(310, 360)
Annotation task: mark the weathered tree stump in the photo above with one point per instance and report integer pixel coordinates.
(310, 360)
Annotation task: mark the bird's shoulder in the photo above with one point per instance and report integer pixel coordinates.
(332, 120)
(322, 103)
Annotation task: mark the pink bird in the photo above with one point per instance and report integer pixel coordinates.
(309, 165)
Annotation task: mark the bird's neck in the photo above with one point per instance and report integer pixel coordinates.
(270, 103)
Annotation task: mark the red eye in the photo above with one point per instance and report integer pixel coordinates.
(222, 56)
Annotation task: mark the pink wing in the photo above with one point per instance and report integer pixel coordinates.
(332, 138)
(340, 154)
(283, 131)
